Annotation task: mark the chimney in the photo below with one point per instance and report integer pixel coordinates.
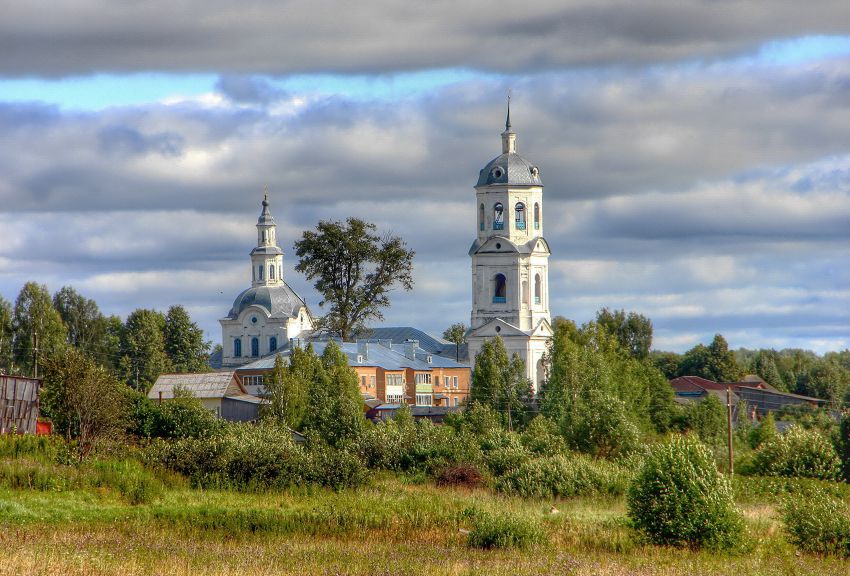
(363, 349)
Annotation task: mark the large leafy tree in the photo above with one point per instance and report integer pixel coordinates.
(287, 387)
(764, 365)
(334, 403)
(83, 319)
(633, 331)
(456, 334)
(354, 270)
(184, 342)
(34, 314)
(715, 362)
(143, 356)
(5, 336)
(499, 382)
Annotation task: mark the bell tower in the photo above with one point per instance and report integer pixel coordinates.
(510, 258)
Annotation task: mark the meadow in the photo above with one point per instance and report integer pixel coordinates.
(114, 516)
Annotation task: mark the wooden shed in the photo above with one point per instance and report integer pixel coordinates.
(18, 404)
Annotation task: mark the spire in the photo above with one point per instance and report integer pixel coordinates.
(508, 119)
(265, 215)
(508, 136)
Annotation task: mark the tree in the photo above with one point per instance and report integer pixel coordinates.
(34, 314)
(708, 419)
(83, 399)
(184, 342)
(5, 336)
(666, 362)
(143, 356)
(456, 334)
(86, 325)
(632, 331)
(714, 362)
(354, 271)
(500, 383)
(334, 403)
(287, 388)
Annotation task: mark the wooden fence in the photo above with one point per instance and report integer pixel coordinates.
(18, 404)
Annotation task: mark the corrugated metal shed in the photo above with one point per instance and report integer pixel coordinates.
(18, 404)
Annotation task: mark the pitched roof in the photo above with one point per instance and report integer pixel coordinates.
(206, 385)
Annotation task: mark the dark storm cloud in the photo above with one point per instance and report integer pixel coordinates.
(58, 39)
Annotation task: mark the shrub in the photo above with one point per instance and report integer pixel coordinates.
(465, 475)
(334, 467)
(800, 453)
(602, 426)
(564, 476)
(503, 531)
(541, 437)
(817, 522)
(679, 498)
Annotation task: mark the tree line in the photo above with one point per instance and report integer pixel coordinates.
(38, 327)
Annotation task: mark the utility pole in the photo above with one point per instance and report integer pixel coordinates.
(729, 425)
(35, 354)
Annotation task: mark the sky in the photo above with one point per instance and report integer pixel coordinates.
(695, 155)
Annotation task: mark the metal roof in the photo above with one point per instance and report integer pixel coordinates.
(207, 385)
(509, 169)
(278, 301)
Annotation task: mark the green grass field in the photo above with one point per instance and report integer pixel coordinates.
(91, 526)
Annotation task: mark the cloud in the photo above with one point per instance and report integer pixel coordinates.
(333, 36)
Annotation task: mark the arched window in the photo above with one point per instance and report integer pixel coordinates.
(272, 343)
(271, 272)
(536, 216)
(525, 291)
(498, 216)
(519, 216)
(260, 272)
(255, 346)
(537, 288)
(481, 217)
(237, 347)
(264, 236)
(499, 289)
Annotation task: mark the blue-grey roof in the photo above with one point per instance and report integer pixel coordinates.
(279, 301)
(510, 169)
(401, 334)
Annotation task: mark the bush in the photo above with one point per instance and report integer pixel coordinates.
(679, 498)
(334, 467)
(465, 475)
(542, 438)
(817, 522)
(564, 476)
(798, 453)
(503, 531)
(602, 426)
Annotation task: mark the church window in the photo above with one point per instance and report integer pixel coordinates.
(260, 272)
(536, 216)
(537, 288)
(525, 291)
(519, 211)
(237, 348)
(255, 346)
(264, 236)
(272, 343)
(499, 289)
(280, 272)
(271, 272)
(498, 216)
(481, 217)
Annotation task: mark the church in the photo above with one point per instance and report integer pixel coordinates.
(510, 289)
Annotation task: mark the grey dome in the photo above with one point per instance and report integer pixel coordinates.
(510, 168)
(278, 301)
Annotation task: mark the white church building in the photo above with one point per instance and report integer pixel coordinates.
(510, 260)
(267, 315)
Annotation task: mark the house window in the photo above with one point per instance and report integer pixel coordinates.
(454, 382)
(395, 398)
(519, 216)
(537, 288)
(272, 343)
(499, 289)
(424, 400)
(252, 380)
(371, 381)
(536, 216)
(481, 217)
(255, 346)
(422, 377)
(394, 379)
(498, 216)
(446, 381)
(237, 348)
(363, 381)
(455, 401)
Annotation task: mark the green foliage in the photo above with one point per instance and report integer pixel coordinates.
(714, 362)
(456, 333)
(542, 437)
(679, 498)
(184, 342)
(798, 452)
(491, 530)
(708, 419)
(335, 405)
(663, 410)
(85, 324)
(817, 522)
(766, 430)
(600, 424)
(6, 336)
(666, 362)
(564, 476)
(633, 331)
(34, 312)
(287, 388)
(354, 270)
(500, 383)
(143, 356)
(764, 364)
(83, 399)
(843, 446)
(184, 417)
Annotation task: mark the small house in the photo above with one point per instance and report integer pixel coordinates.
(219, 392)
